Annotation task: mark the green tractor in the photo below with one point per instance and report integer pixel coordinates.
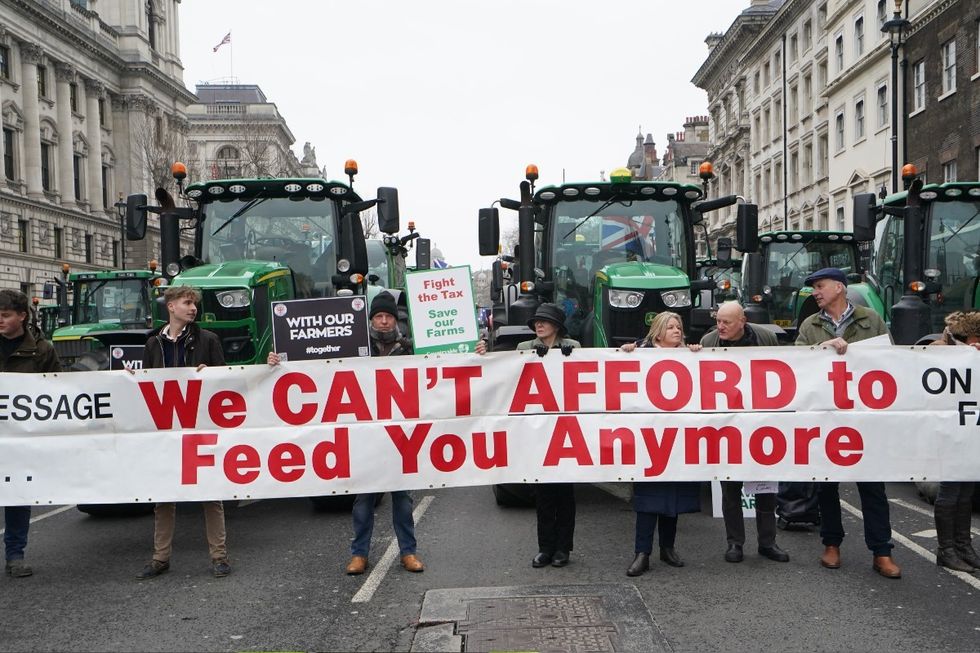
(611, 254)
(926, 257)
(775, 265)
(257, 241)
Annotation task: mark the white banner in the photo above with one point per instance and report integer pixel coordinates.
(360, 425)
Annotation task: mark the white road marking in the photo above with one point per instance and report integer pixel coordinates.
(922, 552)
(929, 533)
(374, 579)
(50, 513)
(923, 511)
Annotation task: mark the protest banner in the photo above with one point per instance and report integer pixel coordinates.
(441, 310)
(325, 327)
(443, 420)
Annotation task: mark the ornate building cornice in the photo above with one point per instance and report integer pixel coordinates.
(31, 52)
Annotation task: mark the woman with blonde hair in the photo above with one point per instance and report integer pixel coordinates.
(661, 502)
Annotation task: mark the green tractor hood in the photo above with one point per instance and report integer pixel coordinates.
(642, 276)
(231, 274)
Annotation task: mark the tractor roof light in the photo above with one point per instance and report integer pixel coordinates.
(153, 265)
(570, 192)
(173, 269)
(350, 167)
(706, 171)
(531, 172)
(928, 195)
(179, 171)
(621, 176)
(547, 195)
(953, 192)
(917, 286)
(909, 172)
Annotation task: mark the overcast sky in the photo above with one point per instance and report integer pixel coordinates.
(449, 100)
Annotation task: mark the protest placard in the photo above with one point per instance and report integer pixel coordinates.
(325, 327)
(441, 309)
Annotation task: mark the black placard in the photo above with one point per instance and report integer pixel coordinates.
(124, 357)
(325, 327)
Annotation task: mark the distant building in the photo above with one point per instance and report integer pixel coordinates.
(643, 162)
(236, 132)
(686, 151)
(90, 93)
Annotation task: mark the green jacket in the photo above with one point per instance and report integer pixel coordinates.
(765, 337)
(32, 357)
(561, 342)
(865, 324)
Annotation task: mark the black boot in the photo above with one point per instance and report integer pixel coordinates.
(946, 554)
(668, 555)
(961, 534)
(640, 564)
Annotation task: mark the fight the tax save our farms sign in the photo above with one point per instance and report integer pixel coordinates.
(326, 327)
(441, 309)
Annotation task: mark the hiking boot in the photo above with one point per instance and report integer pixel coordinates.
(17, 569)
(154, 569)
(220, 567)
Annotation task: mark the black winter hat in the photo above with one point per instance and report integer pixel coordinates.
(549, 313)
(384, 302)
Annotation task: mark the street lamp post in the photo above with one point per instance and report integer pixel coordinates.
(121, 210)
(895, 27)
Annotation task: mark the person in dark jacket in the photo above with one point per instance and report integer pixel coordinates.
(953, 510)
(660, 503)
(182, 343)
(386, 340)
(20, 351)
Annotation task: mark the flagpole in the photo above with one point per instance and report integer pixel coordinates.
(231, 59)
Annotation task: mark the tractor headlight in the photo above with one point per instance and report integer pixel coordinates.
(625, 298)
(343, 265)
(234, 298)
(680, 298)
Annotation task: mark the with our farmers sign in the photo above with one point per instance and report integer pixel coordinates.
(329, 327)
(441, 309)
(441, 420)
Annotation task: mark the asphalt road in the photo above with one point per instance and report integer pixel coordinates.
(288, 590)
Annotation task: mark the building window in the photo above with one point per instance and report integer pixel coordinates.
(755, 83)
(839, 52)
(46, 166)
(882, 94)
(949, 172)
(840, 218)
(919, 86)
(42, 81)
(948, 56)
(859, 36)
(4, 62)
(115, 254)
(807, 35)
(105, 187)
(794, 172)
(882, 14)
(158, 130)
(777, 119)
(76, 169)
(794, 103)
(757, 133)
(766, 130)
(102, 111)
(807, 94)
(859, 120)
(88, 248)
(8, 154)
(823, 155)
(73, 96)
(59, 242)
(839, 131)
(777, 180)
(807, 177)
(151, 31)
(777, 65)
(794, 46)
(23, 235)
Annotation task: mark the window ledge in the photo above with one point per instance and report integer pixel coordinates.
(976, 76)
(946, 95)
(882, 129)
(858, 141)
(917, 112)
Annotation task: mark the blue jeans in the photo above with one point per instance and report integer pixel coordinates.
(646, 524)
(401, 519)
(874, 510)
(17, 520)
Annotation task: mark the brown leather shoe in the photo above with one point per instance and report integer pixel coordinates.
(885, 566)
(357, 565)
(831, 557)
(412, 563)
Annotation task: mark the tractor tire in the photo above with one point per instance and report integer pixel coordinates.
(514, 495)
(91, 361)
(114, 510)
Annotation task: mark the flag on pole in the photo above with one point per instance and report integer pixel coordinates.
(227, 39)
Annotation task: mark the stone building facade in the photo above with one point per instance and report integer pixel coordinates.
(89, 89)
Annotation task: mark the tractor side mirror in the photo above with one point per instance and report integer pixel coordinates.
(489, 230)
(423, 254)
(723, 253)
(136, 217)
(497, 279)
(747, 228)
(388, 218)
(865, 217)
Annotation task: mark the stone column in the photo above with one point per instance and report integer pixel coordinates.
(93, 133)
(65, 74)
(30, 55)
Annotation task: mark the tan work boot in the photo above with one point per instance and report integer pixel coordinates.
(412, 563)
(357, 565)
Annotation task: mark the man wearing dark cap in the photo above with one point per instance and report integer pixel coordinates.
(837, 323)
(20, 351)
(555, 501)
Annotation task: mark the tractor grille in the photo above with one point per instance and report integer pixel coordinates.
(625, 325)
(209, 304)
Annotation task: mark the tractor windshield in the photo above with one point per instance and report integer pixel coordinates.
(954, 253)
(789, 263)
(377, 263)
(105, 301)
(298, 233)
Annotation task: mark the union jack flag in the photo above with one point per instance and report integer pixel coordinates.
(624, 232)
(226, 39)
(439, 263)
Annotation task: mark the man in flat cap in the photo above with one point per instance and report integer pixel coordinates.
(837, 323)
